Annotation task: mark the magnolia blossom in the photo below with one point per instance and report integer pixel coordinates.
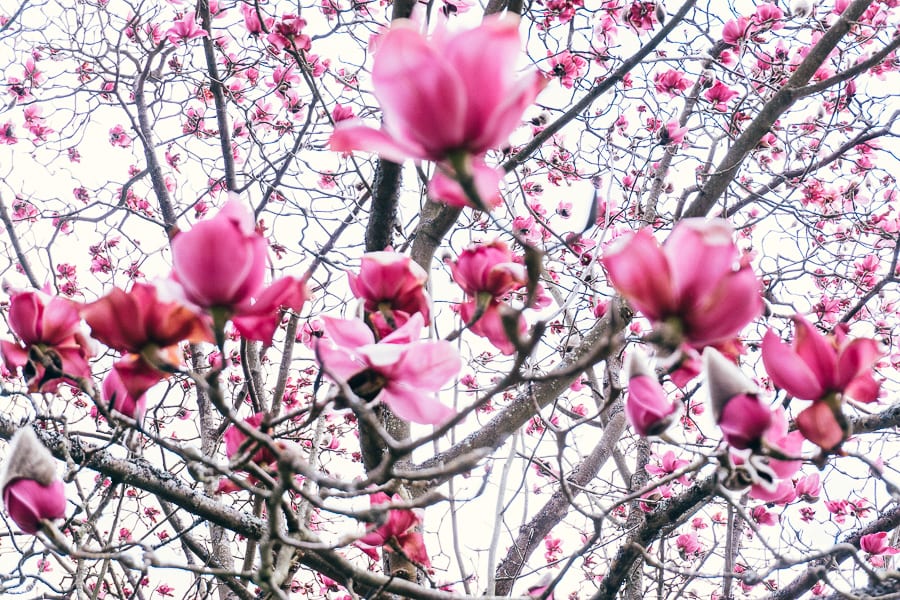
(236, 440)
(487, 273)
(877, 543)
(736, 407)
(695, 286)
(220, 265)
(445, 98)
(52, 327)
(401, 371)
(184, 29)
(822, 368)
(393, 286)
(647, 406)
(147, 329)
(32, 492)
(397, 529)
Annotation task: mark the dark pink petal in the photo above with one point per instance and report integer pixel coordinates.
(818, 425)
(788, 370)
(817, 351)
(856, 359)
(116, 395)
(423, 98)
(26, 312)
(648, 407)
(27, 502)
(744, 420)
(725, 311)
(700, 253)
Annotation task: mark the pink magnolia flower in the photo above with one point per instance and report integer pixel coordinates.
(117, 396)
(488, 269)
(398, 529)
(235, 439)
(444, 98)
(691, 284)
(667, 464)
(145, 328)
(822, 368)
(118, 137)
(31, 491)
(735, 31)
(401, 371)
(185, 29)
(719, 94)
(877, 543)
(673, 134)
(392, 284)
(287, 34)
(251, 20)
(641, 15)
(647, 406)
(736, 407)
(220, 266)
(50, 325)
(808, 488)
(671, 83)
(568, 67)
(688, 544)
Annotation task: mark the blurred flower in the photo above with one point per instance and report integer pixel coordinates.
(31, 490)
(647, 406)
(397, 529)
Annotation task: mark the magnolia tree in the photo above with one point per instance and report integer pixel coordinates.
(360, 299)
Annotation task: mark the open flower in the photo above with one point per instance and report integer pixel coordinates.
(145, 328)
(822, 368)
(446, 97)
(31, 490)
(49, 326)
(398, 529)
(694, 284)
(401, 371)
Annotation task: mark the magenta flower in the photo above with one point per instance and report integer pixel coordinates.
(490, 324)
(31, 491)
(444, 98)
(220, 265)
(52, 326)
(390, 283)
(647, 406)
(488, 269)
(719, 94)
(401, 371)
(735, 31)
(877, 543)
(398, 529)
(235, 439)
(184, 29)
(822, 368)
(694, 284)
(671, 83)
(808, 488)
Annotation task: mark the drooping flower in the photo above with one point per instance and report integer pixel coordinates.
(444, 98)
(31, 490)
(49, 326)
(400, 371)
(145, 327)
(397, 529)
(691, 285)
(393, 285)
(647, 406)
(488, 269)
(220, 266)
(824, 369)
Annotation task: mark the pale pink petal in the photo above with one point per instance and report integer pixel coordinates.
(413, 405)
(348, 333)
(427, 365)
